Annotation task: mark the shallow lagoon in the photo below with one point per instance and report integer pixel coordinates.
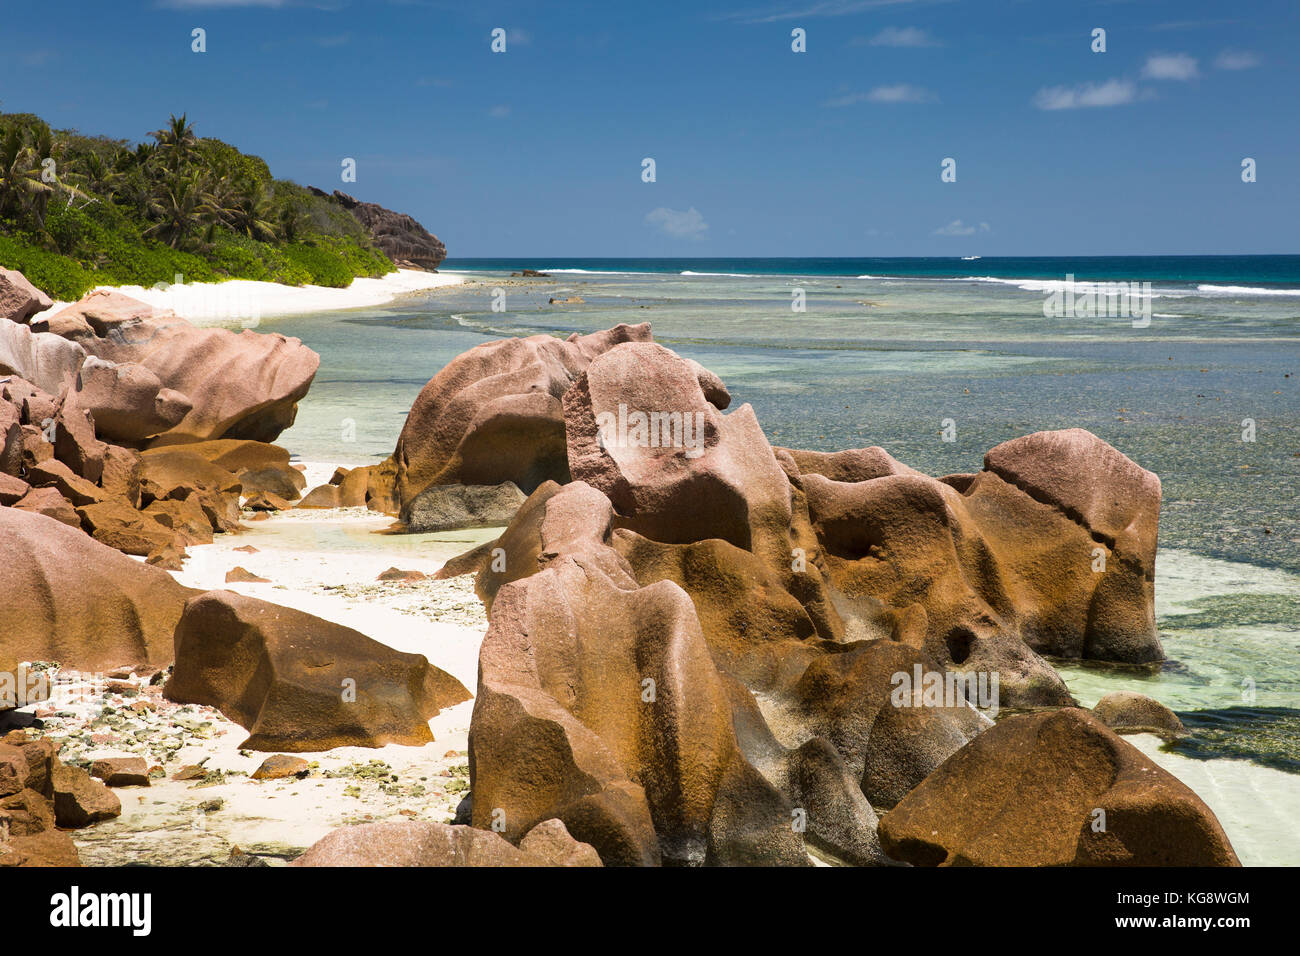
(885, 361)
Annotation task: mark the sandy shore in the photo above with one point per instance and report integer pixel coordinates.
(324, 562)
(246, 301)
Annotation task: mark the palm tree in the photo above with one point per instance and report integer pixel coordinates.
(252, 210)
(176, 141)
(290, 221)
(179, 206)
(29, 173)
(20, 173)
(99, 176)
(137, 170)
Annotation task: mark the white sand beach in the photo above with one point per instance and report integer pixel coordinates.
(245, 301)
(326, 563)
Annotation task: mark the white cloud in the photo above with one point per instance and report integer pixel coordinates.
(197, 4)
(959, 228)
(1110, 93)
(500, 111)
(822, 8)
(896, 93)
(1237, 60)
(687, 224)
(903, 36)
(900, 93)
(1170, 66)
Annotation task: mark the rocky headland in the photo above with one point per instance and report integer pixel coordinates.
(407, 243)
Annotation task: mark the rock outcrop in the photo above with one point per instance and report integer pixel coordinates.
(68, 420)
(395, 234)
(606, 688)
(49, 362)
(416, 843)
(127, 401)
(80, 799)
(239, 384)
(989, 572)
(298, 683)
(32, 783)
(453, 507)
(1126, 712)
(696, 639)
(74, 600)
(19, 299)
(494, 414)
(1053, 789)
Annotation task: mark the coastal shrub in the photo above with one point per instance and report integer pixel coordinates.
(325, 266)
(57, 276)
(117, 252)
(242, 258)
(363, 261)
(285, 271)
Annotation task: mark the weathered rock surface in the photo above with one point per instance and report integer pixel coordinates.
(1053, 789)
(128, 401)
(12, 489)
(986, 573)
(80, 800)
(415, 843)
(118, 525)
(79, 602)
(563, 730)
(818, 585)
(1117, 504)
(909, 558)
(692, 773)
(266, 501)
(493, 414)
(19, 299)
(452, 507)
(121, 771)
(47, 361)
(397, 574)
(51, 504)
(47, 848)
(240, 385)
(298, 683)
(551, 841)
(852, 465)
(1126, 712)
(179, 473)
(184, 518)
(322, 496)
(641, 430)
(279, 766)
(258, 466)
(396, 234)
(238, 575)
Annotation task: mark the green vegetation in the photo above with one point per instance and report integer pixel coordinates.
(80, 211)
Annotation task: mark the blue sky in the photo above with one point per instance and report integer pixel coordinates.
(759, 150)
